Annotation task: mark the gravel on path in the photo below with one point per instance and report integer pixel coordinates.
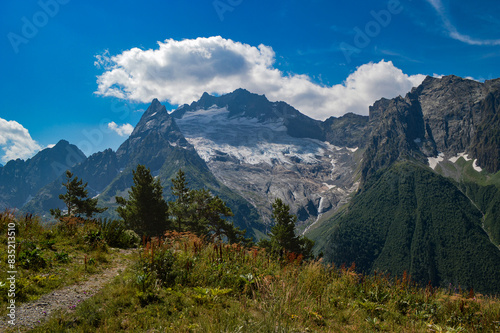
(29, 315)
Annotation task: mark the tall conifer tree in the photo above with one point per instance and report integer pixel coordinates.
(145, 211)
(282, 235)
(179, 209)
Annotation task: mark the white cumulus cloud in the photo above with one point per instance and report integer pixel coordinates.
(15, 141)
(180, 71)
(121, 130)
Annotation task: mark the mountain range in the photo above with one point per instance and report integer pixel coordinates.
(414, 186)
(21, 180)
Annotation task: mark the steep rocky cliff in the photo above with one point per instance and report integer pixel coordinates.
(441, 119)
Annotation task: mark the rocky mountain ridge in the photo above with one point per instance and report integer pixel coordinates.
(20, 180)
(243, 104)
(440, 118)
(312, 165)
(239, 136)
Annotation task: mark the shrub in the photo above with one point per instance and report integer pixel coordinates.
(131, 238)
(116, 235)
(157, 265)
(69, 225)
(31, 257)
(112, 232)
(48, 244)
(94, 239)
(162, 264)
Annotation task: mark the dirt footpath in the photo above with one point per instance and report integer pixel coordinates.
(30, 314)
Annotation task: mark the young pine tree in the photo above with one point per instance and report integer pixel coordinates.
(76, 199)
(180, 208)
(282, 235)
(145, 211)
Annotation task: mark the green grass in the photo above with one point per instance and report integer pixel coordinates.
(48, 258)
(183, 284)
(463, 171)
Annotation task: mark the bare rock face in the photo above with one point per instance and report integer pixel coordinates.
(156, 126)
(257, 147)
(486, 140)
(442, 118)
(350, 130)
(398, 133)
(451, 107)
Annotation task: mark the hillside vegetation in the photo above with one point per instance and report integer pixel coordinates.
(487, 199)
(182, 283)
(400, 221)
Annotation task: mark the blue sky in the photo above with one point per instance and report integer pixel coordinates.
(85, 70)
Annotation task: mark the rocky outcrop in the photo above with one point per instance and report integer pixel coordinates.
(350, 130)
(157, 127)
(486, 139)
(451, 108)
(397, 128)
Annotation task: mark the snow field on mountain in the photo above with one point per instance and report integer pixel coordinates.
(213, 133)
